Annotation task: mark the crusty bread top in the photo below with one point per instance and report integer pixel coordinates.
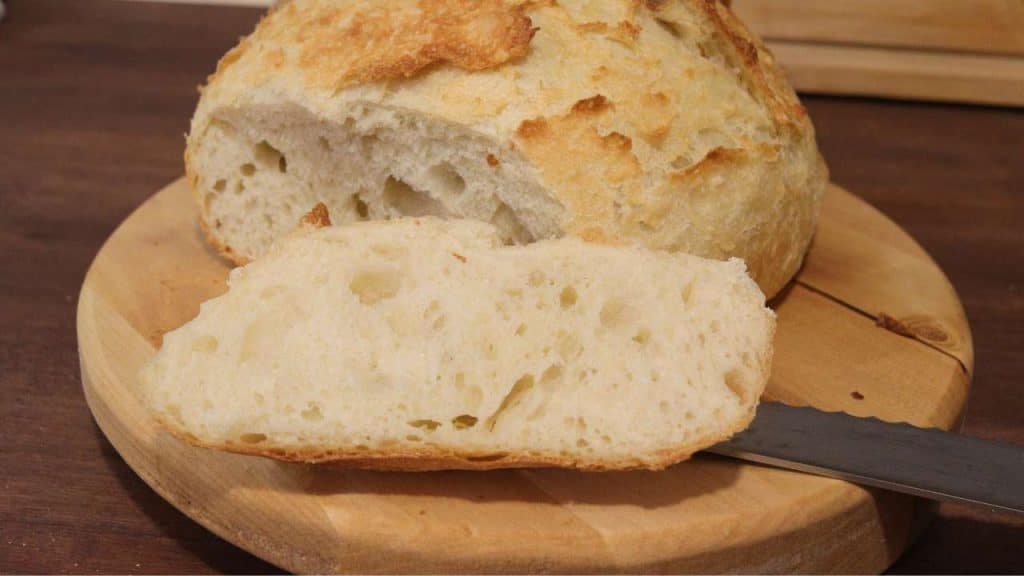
(622, 50)
(634, 114)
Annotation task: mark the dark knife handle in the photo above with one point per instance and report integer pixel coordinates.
(924, 462)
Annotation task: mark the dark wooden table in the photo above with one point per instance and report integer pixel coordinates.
(94, 100)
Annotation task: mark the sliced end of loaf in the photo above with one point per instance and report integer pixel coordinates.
(426, 344)
(255, 172)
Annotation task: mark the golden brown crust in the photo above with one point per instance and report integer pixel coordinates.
(318, 217)
(610, 158)
(747, 53)
(593, 105)
(710, 161)
(214, 240)
(341, 47)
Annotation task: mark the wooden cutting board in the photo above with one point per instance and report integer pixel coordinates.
(871, 326)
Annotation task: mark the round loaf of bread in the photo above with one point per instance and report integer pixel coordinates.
(663, 123)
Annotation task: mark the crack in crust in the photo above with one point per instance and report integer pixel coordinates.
(747, 53)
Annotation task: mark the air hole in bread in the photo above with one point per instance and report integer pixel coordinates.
(615, 313)
(400, 199)
(248, 169)
(253, 438)
(521, 329)
(737, 384)
(513, 398)
(367, 142)
(413, 438)
(267, 155)
(362, 210)
(325, 144)
(425, 424)
(669, 27)
(220, 185)
(373, 286)
(551, 376)
(445, 180)
(282, 165)
(490, 349)
(312, 412)
(567, 299)
(663, 406)
(510, 227)
(464, 421)
(581, 443)
(239, 187)
(642, 336)
(687, 293)
(538, 412)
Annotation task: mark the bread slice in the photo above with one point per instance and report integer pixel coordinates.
(666, 124)
(428, 344)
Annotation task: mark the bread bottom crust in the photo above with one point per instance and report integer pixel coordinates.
(434, 458)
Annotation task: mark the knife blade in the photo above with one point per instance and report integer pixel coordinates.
(924, 462)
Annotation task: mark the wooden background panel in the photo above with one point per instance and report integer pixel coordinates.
(991, 26)
(907, 74)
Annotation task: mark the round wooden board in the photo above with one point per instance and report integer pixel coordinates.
(871, 327)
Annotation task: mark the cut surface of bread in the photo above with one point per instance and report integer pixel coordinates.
(665, 124)
(428, 344)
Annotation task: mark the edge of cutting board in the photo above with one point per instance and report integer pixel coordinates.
(871, 326)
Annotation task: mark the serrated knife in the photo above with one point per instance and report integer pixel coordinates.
(924, 462)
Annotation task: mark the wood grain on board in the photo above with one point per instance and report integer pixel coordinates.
(705, 515)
